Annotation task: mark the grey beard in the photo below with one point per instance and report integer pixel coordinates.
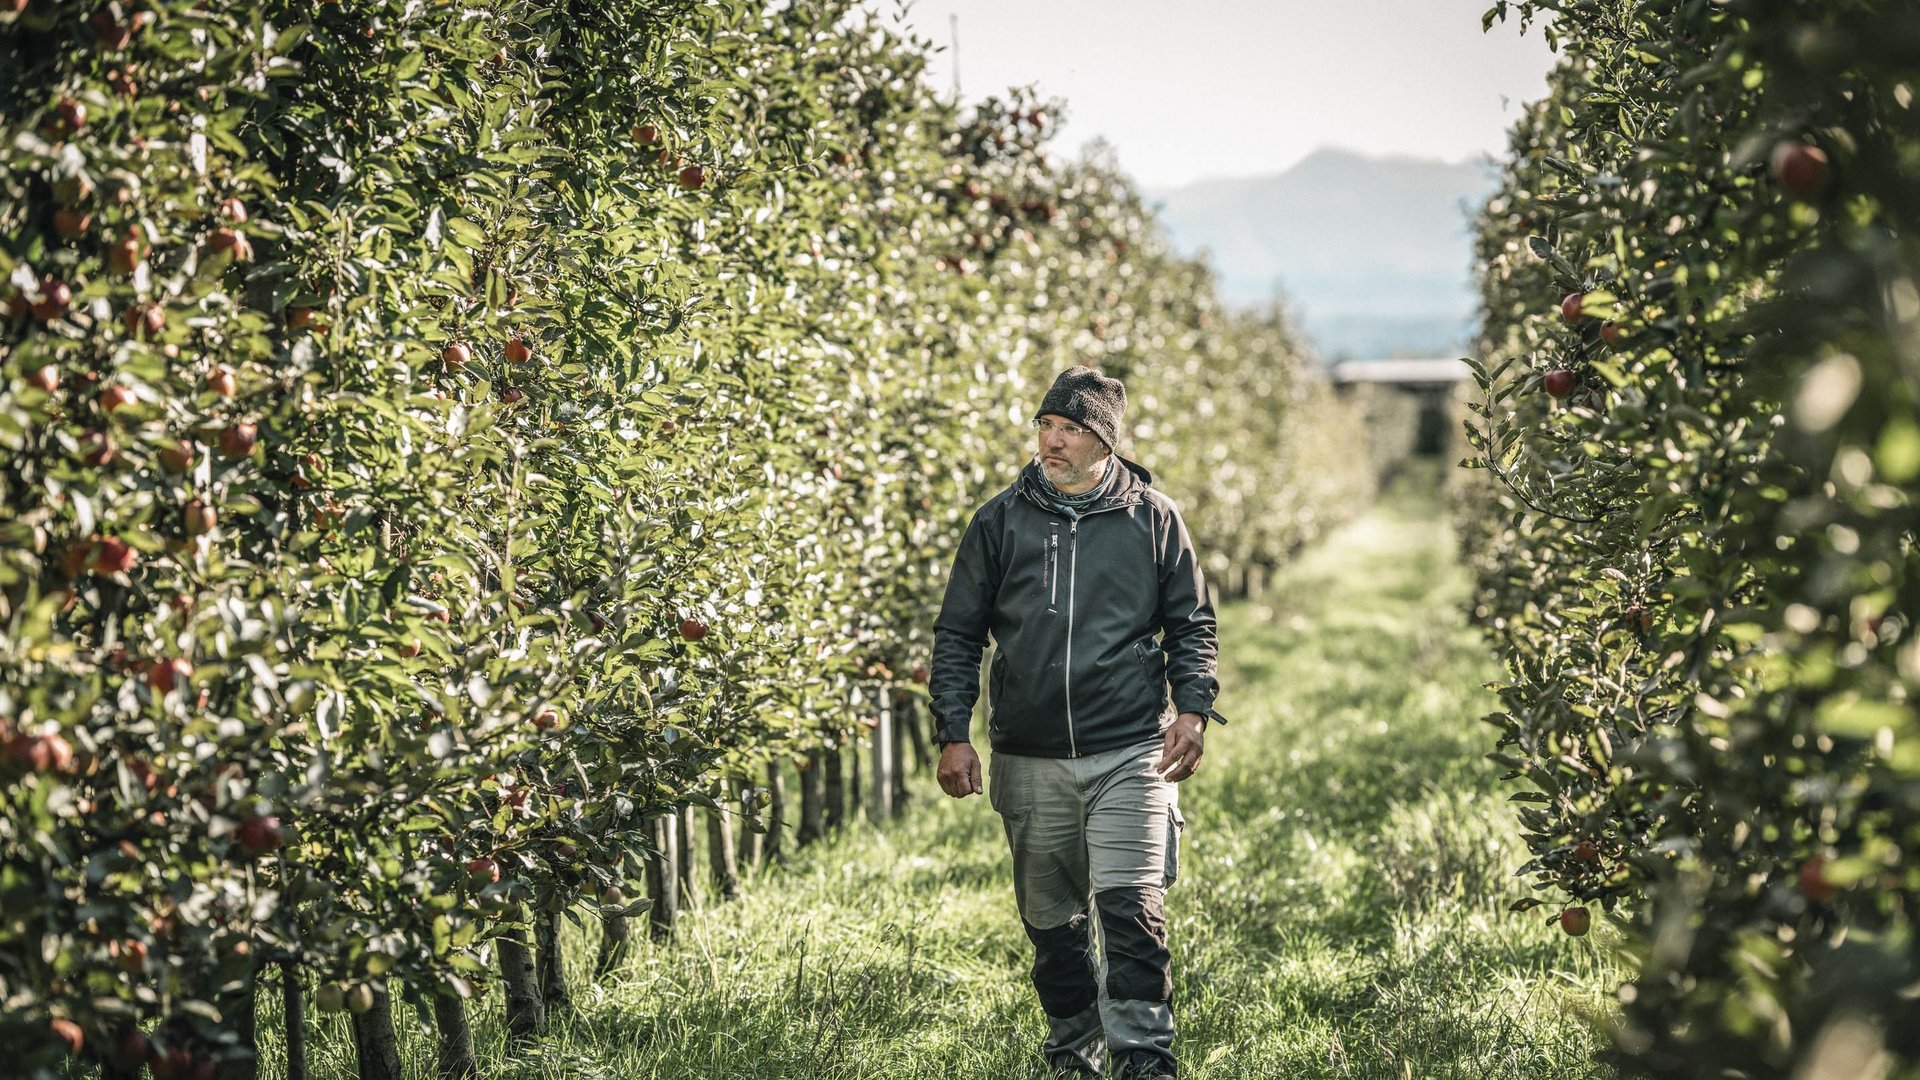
(1076, 477)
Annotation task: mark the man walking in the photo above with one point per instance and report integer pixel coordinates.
(1100, 689)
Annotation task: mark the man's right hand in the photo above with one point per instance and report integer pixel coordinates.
(959, 770)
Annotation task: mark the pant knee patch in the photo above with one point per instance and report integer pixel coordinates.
(1063, 970)
(1133, 922)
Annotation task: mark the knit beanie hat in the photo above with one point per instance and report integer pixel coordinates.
(1089, 399)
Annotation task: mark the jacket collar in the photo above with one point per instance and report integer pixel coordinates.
(1129, 490)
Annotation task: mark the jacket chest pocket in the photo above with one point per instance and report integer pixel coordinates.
(1050, 584)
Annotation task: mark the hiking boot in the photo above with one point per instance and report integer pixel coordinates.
(1146, 1067)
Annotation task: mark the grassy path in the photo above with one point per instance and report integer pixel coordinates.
(1340, 913)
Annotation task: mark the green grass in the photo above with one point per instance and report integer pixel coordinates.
(1341, 911)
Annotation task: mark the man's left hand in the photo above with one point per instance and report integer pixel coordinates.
(1180, 756)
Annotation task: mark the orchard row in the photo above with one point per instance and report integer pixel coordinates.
(444, 443)
(1694, 527)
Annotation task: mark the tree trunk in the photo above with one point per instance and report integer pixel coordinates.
(897, 762)
(373, 1040)
(856, 792)
(237, 1010)
(685, 851)
(456, 1038)
(880, 799)
(553, 978)
(293, 1017)
(720, 859)
(772, 851)
(813, 799)
(747, 840)
(834, 784)
(526, 1013)
(906, 714)
(661, 883)
(616, 939)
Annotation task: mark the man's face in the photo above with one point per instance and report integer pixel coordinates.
(1071, 461)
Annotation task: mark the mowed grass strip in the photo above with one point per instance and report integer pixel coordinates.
(1341, 909)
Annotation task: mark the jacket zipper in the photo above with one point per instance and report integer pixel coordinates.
(1073, 569)
(1073, 576)
(1053, 599)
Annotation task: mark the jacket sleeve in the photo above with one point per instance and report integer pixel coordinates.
(960, 631)
(1186, 622)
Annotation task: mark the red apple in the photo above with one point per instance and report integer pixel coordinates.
(1558, 382)
(127, 252)
(169, 673)
(133, 956)
(1814, 882)
(148, 319)
(178, 456)
(73, 114)
(302, 318)
(232, 242)
(40, 753)
(1801, 168)
(112, 555)
(122, 83)
(221, 381)
(455, 356)
(1585, 852)
(411, 649)
(199, 518)
(483, 870)
(114, 397)
(237, 440)
(921, 675)
(1575, 921)
(1611, 333)
(55, 296)
(46, 379)
(514, 395)
(100, 450)
(72, 223)
(518, 351)
(259, 834)
(1570, 305)
(693, 177)
(545, 719)
(108, 33)
(69, 1033)
(233, 210)
(645, 134)
(692, 629)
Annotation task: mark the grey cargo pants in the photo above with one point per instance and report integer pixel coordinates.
(1099, 832)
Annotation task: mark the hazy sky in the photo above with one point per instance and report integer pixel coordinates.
(1186, 89)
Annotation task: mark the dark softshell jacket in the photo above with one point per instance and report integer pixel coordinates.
(1100, 624)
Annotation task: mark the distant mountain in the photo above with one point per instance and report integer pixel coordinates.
(1371, 255)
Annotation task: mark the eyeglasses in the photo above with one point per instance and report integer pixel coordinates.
(1072, 431)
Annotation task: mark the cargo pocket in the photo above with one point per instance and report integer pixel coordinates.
(1176, 824)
